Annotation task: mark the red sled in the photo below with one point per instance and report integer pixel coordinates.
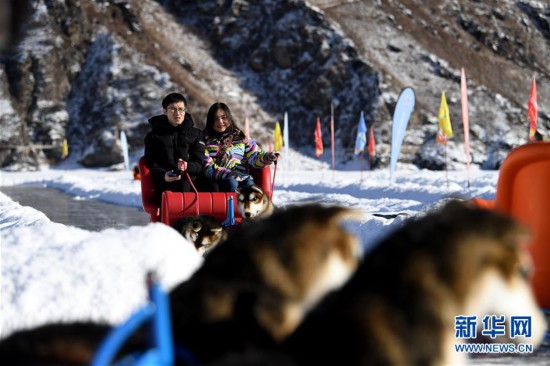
(169, 207)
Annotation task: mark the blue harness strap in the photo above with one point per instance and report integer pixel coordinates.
(157, 313)
(230, 215)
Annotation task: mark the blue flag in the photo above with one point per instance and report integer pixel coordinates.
(286, 143)
(401, 116)
(124, 147)
(361, 135)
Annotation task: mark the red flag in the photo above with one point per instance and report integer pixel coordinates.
(371, 148)
(318, 139)
(532, 110)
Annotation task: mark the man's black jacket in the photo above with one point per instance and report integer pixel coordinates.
(165, 144)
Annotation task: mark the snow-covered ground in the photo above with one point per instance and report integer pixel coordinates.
(52, 272)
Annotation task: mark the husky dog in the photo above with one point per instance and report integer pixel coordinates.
(400, 306)
(253, 203)
(203, 231)
(54, 344)
(256, 287)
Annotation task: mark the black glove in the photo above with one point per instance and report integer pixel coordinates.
(238, 177)
(271, 156)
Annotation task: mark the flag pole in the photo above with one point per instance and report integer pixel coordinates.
(465, 121)
(332, 136)
(362, 156)
(446, 168)
(286, 142)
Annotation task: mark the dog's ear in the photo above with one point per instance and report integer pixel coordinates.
(196, 226)
(257, 189)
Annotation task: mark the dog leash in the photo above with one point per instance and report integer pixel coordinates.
(274, 174)
(197, 209)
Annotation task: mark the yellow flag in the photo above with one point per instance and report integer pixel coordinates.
(445, 130)
(278, 138)
(64, 149)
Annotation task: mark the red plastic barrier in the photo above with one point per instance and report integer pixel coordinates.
(523, 192)
(171, 206)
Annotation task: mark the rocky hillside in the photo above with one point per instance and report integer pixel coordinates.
(424, 44)
(85, 70)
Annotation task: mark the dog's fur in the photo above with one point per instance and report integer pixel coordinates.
(203, 231)
(53, 345)
(256, 286)
(254, 203)
(253, 289)
(399, 308)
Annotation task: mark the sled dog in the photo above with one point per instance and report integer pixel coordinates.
(203, 231)
(254, 203)
(257, 286)
(402, 304)
(53, 344)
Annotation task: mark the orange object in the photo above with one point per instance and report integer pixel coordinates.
(168, 207)
(482, 203)
(523, 192)
(135, 173)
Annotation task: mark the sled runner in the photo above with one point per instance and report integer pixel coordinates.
(168, 207)
(523, 192)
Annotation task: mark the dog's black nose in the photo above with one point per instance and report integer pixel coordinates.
(247, 215)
